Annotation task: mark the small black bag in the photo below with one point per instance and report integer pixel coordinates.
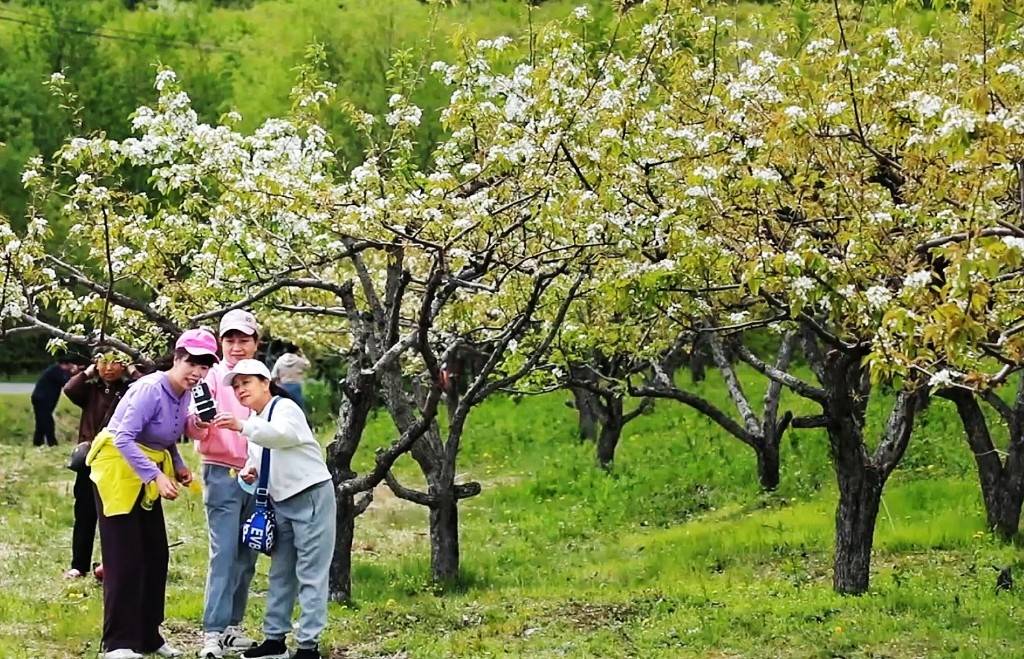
(78, 454)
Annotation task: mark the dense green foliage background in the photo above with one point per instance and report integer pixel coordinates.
(231, 55)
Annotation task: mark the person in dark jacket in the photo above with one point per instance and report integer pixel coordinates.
(44, 400)
(97, 391)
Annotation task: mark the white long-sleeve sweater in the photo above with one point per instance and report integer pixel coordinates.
(296, 459)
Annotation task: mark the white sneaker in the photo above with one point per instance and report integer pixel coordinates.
(123, 653)
(212, 648)
(166, 650)
(234, 639)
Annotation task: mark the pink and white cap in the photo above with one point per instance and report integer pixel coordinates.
(197, 342)
(239, 320)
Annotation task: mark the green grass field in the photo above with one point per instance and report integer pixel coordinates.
(675, 554)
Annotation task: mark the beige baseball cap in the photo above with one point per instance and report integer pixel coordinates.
(239, 320)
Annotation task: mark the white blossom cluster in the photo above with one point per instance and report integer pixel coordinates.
(745, 188)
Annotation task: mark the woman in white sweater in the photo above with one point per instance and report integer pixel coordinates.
(303, 498)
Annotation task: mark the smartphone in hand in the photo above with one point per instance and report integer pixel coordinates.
(202, 398)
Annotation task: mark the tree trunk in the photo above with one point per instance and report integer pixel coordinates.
(444, 537)
(340, 586)
(768, 464)
(587, 403)
(1003, 512)
(860, 475)
(437, 461)
(1006, 520)
(438, 466)
(1002, 483)
(860, 493)
(611, 432)
(586, 407)
(699, 358)
(352, 417)
(441, 498)
(772, 428)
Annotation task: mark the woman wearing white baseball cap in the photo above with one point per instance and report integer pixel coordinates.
(223, 452)
(302, 493)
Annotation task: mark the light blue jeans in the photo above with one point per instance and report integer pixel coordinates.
(300, 564)
(231, 565)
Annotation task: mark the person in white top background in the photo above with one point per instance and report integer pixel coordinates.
(303, 498)
(290, 372)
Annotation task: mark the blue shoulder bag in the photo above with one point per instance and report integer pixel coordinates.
(258, 530)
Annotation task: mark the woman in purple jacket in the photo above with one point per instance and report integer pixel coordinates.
(135, 462)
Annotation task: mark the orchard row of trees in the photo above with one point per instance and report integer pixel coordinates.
(602, 211)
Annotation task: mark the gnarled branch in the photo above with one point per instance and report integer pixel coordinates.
(805, 389)
(409, 494)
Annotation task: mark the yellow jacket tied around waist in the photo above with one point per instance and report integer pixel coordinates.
(117, 482)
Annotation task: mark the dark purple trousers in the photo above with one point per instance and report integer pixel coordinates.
(83, 535)
(134, 549)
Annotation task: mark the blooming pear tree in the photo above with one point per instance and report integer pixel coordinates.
(904, 180)
(492, 205)
(838, 190)
(393, 266)
(958, 318)
(874, 186)
(651, 301)
(227, 221)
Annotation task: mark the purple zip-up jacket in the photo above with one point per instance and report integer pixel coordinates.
(153, 415)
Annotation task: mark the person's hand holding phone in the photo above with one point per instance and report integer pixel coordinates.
(183, 475)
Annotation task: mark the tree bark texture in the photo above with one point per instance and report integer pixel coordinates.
(767, 453)
(436, 459)
(586, 406)
(444, 537)
(860, 493)
(340, 584)
(699, 358)
(861, 476)
(611, 433)
(355, 409)
(1001, 480)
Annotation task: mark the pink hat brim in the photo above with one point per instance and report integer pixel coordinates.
(200, 352)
